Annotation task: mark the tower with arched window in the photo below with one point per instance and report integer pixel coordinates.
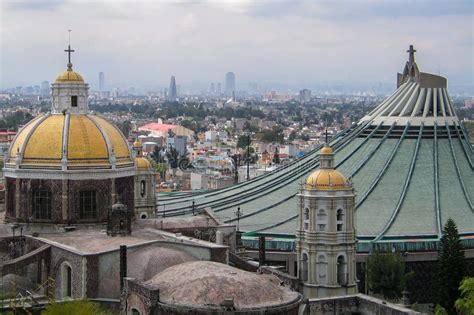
(145, 195)
(325, 236)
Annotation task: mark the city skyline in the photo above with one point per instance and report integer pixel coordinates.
(142, 44)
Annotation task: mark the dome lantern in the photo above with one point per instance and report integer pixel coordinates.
(69, 91)
(326, 177)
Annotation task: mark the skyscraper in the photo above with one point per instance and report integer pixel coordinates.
(44, 88)
(305, 96)
(173, 94)
(213, 89)
(101, 81)
(229, 83)
(219, 89)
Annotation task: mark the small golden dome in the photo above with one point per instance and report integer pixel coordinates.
(69, 76)
(327, 179)
(137, 144)
(142, 163)
(90, 142)
(326, 150)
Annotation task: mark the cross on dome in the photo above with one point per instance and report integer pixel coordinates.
(69, 51)
(411, 54)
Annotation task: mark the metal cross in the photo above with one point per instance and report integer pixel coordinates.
(69, 50)
(411, 53)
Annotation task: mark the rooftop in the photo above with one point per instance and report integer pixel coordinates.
(205, 283)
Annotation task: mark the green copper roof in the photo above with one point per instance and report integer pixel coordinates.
(409, 160)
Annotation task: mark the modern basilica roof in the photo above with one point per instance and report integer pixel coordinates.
(409, 161)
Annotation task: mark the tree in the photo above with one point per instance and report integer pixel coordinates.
(76, 307)
(451, 268)
(276, 156)
(172, 155)
(158, 155)
(465, 304)
(386, 273)
(439, 310)
(273, 135)
(243, 142)
(292, 136)
(125, 127)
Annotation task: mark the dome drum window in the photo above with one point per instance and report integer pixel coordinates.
(74, 101)
(42, 204)
(88, 205)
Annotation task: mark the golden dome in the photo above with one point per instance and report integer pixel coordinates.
(81, 141)
(326, 150)
(137, 144)
(69, 76)
(142, 164)
(327, 179)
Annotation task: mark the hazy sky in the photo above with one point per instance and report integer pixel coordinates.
(143, 43)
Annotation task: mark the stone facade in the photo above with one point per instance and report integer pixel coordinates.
(65, 198)
(354, 304)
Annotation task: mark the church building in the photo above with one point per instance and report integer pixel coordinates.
(68, 166)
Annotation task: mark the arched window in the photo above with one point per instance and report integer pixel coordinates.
(42, 204)
(66, 280)
(304, 267)
(322, 220)
(142, 188)
(135, 311)
(322, 269)
(340, 219)
(87, 204)
(306, 219)
(341, 270)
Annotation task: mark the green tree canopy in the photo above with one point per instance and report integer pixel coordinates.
(386, 272)
(451, 267)
(465, 304)
(273, 135)
(18, 118)
(243, 142)
(76, 307)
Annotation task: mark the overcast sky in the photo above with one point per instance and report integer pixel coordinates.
(143, 43)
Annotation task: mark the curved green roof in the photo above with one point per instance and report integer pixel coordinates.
(409, 160)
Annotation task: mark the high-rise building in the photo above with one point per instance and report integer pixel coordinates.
(173, 93)
(45, 88)
(101, 81)
(229, 83)
(219, 89)
(305, 95)
(213, 88)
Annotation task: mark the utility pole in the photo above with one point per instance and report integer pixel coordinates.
(238, 214)
(248, 156)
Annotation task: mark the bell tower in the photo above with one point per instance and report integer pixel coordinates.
(145, 195)
(69, 92)
(325, 236)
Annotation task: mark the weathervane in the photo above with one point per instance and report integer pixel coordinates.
(69, 51)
